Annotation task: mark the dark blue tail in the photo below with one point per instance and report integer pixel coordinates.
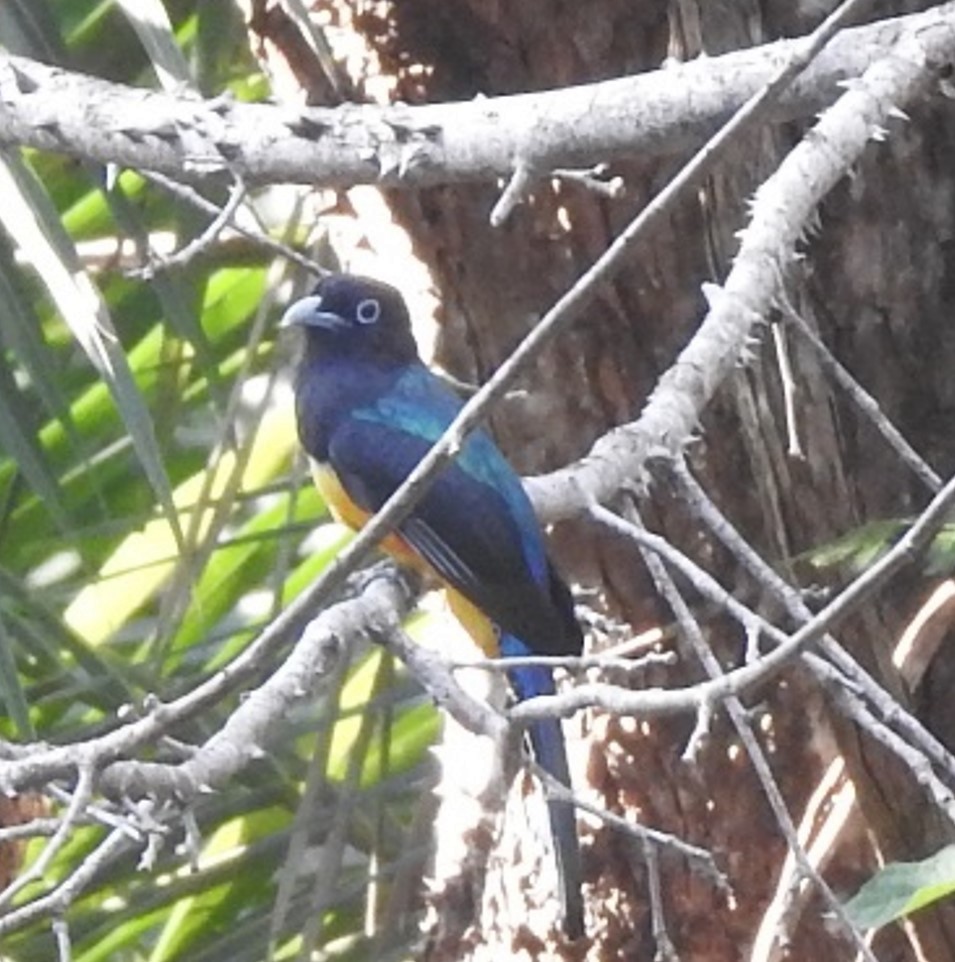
(547, 742)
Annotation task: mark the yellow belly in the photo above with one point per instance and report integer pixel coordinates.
(472, 619)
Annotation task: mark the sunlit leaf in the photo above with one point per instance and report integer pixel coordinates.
(145, 560)
(34, 226)
(152, 26)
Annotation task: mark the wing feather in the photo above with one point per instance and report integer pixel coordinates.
(463, 528)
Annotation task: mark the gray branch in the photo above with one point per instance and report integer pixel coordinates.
(663, 111)
(782, 209)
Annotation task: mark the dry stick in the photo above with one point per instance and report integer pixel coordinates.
(650, 702)
(668, 590)
(198, 244)
(593, 179)
(316, 657)
(866, 403)
(38, 827)
(699, 860)
(513, 193)
(30, 766)
(97, 813)
(81, 797)
(886, 707)
(60, 899)
(788, 384)
(854, 708)
(831, 676)
(317, 654)
(64, 947)
(192, 197)
(666, 952)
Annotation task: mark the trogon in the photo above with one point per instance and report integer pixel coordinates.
(368, 411)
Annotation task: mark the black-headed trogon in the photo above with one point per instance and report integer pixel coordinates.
(368, 410)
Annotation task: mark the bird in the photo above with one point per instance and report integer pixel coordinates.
(368, 410)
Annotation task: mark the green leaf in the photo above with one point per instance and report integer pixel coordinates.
(11, 694)
(20, 333)
(152, 26)
(859, 548)
(31, 221)
(19, 441)
(901, 888)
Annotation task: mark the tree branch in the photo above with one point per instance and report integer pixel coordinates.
(782, 209)
(663, 111)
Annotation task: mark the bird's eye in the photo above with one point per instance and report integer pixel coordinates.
(368, 311)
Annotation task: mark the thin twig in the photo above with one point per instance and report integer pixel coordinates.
(81, 797)
(865, 402)
(191, 196)
(514, 192)
(35, 765)
(666, 952)
(593, 179)
(887, 707)
(668, 590)
(61, 933)
(655, 702)
(58, 901)
(699, 860)
(788, 382)
(198, 244)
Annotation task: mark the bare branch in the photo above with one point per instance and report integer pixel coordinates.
(245, 733)
(864, 401)
(58, 901)
(782, 208)
(886, 707)
(198, 244)
(81, 797)
(27, 766)
(192, 197)
(185, 137)
(657, 702)
(738, 715)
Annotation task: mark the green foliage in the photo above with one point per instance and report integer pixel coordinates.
(901, 888)
(858, 549)
(154, 516)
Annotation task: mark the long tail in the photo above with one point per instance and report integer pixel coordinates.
(547, 741)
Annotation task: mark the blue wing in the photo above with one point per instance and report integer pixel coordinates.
(465, 529)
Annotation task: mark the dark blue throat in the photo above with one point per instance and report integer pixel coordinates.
(330, 388)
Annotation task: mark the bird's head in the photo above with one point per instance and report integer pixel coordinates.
(347, 315)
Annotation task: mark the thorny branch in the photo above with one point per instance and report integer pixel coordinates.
(185, 136)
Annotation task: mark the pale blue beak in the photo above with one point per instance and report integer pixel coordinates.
(308, 313)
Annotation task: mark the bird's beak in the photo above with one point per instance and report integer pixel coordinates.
(308, 313)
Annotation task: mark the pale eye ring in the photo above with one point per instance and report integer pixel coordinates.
(368, 311)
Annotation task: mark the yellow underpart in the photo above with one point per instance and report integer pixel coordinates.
(472, 619)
